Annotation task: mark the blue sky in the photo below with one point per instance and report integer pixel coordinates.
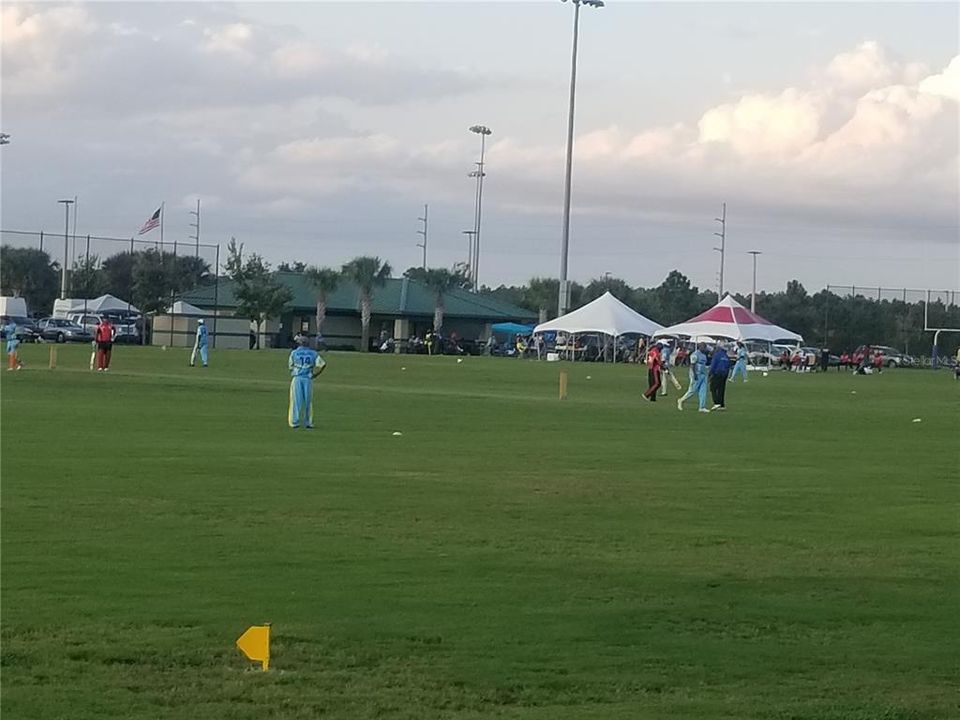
(316, 131)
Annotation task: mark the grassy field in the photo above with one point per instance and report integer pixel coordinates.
(508, 556)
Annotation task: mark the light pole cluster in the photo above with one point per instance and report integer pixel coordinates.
(563, 303)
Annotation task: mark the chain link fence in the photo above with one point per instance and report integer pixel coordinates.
(144, 273)
(947, 298)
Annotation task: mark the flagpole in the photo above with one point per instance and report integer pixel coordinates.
(162, 213)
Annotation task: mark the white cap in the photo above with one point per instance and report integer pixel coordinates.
(200, 321)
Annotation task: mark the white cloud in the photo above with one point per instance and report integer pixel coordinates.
(945, 84)
(43, 28)
(232, 38)
(765, 125)
(867, 66)
(40, 48)
(807, 147)
(85, 55)
(298, 59)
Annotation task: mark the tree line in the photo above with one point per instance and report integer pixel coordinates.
(823, 318)
(151, 280)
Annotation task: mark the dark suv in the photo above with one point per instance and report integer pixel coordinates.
(26, 328)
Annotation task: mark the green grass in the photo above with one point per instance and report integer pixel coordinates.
(509, 556)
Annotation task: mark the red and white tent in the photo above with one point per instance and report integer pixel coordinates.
(730, 319)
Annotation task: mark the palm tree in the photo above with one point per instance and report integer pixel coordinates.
(368, 273)
(325, 282)
(441, 281)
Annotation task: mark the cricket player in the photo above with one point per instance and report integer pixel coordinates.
(719, 370)
(103, 336)
(665, 350)
(741, 365)
(698, 370)
(13, 345)
(667, 355)
(654, 378)
(305, 364)
(200, 344)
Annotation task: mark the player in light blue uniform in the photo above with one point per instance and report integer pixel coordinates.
(698, 384)
(200, 344)
(305, 364)
(13, 343)
(665, 351)
(741, 364)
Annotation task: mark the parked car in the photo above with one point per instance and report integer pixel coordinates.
(124, 326)
(891, 356)
(26, 328)
(62, 330)
(759, 355)
(89, 322)
(834, 360)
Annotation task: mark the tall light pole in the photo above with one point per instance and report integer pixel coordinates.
(196, 226)
(753, 295)
(66, 247)
(723, 244)
(482, 131)
(563, 301)
(469, 234)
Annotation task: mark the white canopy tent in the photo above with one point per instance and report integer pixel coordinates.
(730, 319)
(605, 315)
(104, 303)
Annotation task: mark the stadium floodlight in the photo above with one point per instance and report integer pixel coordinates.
(563, 299)
(469, 234)
(483, 131)
(753, 294)
(66, 247)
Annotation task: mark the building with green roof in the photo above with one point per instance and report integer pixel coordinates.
(402, 308)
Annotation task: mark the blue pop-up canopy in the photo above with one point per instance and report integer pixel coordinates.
(510, 328)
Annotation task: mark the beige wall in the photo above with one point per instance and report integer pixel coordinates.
(180, 330)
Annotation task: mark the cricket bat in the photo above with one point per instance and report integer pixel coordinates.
(93, 354)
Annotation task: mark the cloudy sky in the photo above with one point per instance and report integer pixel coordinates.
(316, 131)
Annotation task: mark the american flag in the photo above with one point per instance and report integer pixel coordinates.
(153, 222)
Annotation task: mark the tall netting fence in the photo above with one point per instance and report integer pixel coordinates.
(146, 276)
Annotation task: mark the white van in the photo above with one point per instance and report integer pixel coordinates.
(13, 306)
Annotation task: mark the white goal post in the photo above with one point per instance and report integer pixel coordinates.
(935, 330)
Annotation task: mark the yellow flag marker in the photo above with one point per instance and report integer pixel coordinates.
(255, 644)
